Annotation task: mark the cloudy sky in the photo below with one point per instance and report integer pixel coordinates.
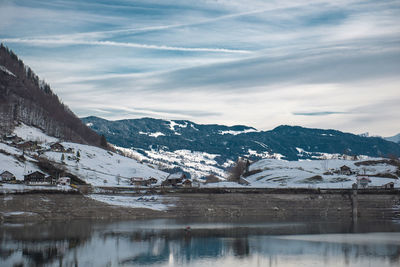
(323, 64)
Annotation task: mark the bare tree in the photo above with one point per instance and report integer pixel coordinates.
(237, 170)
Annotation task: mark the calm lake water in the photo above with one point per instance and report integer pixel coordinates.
(251, 242)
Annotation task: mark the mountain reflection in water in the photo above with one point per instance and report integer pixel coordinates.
(207, 243)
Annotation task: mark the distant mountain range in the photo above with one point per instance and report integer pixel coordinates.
(162, 140)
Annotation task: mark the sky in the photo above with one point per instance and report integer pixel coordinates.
(321, 64)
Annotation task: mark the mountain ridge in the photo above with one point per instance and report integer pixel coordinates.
(171, 142)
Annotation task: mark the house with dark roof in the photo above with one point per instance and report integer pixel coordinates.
(6, 177)
(138, 181)
(187, 183)
(345, 170)
(174, 179)
(38, 178)
(57, 147)
(28, 145)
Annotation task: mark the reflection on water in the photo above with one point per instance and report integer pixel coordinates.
(217, 243)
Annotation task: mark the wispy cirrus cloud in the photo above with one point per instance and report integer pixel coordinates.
(318, 113)
(262, 63)
(64, 42)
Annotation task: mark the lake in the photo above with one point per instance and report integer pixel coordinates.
(201, 242)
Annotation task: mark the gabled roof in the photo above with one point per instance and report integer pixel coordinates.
(6, 172)
(35, 173)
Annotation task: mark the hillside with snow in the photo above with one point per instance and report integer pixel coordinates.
(92, 165)
(327, 173)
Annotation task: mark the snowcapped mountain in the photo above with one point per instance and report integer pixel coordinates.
(203, 149)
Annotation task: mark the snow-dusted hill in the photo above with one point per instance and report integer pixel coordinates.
(320, 173)
(94, 165)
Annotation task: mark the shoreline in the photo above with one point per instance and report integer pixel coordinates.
(39, 206)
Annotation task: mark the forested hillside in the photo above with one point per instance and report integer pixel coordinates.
(25, 98)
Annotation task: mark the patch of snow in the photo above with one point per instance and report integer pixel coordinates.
(172, 125)
(147, 202)
(237, 132)
(29, 133)
(157, 134)
(4, 69)
(265, 154)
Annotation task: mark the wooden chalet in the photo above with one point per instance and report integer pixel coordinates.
(345, 170)
(187, 183)
(38, 178)
(138, 181)
(57, 147)
(7, 176)
(28, 145)
(175, 179)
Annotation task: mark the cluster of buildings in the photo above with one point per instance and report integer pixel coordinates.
(35, 178)
(363, 181)
(174, 180)
(18, 142)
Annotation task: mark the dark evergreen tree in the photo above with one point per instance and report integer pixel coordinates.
(103, 141)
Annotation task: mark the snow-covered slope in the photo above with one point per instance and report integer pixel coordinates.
(302, 174)
(29, 133)
(94, 165)
(198, 164)
(100, 167)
